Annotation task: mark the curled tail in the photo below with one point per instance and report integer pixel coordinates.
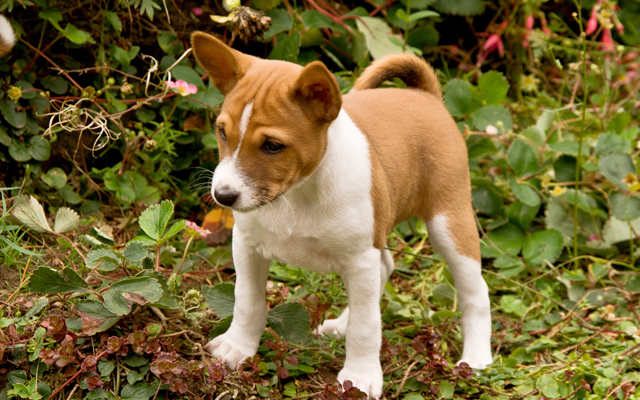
(7, 36)
(413, 70)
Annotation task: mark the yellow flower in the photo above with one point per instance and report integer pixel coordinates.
(632, 182)
(15, 93)
(558, 190)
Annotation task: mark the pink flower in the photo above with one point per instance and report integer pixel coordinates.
(593, 238)
(182, 87)
(528, 23)
(193, 230)
(197, 11)
(592, 24)
(607, 40)
(494, 42)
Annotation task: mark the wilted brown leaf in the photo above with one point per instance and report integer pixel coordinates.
(219, 222)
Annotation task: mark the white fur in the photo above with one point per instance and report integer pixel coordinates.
(323, 223)
(229, 178)
(244, 122)
(473, 295)
(6, 32)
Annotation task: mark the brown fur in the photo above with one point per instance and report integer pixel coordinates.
(414, 71)
(418, 156)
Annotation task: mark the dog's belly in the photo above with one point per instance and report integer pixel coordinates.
(304, 252)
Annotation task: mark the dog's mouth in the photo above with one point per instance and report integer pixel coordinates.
(262, 197)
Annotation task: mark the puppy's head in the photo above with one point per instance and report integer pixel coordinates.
(272, 129)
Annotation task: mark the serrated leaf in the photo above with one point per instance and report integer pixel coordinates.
(625, 207)
(95, 317)
(376, 33)
(47, 280)
(77, 36)
(524, 192)
(457, 97)
(616, 166)
(281, 21)
(174, 230)
(491, 115)
(168, 300)
(523, 158)
(221, 327)
(288, 48)
(221, 298)
(508, 238)
(543, 245)
(616, 231)
(188, 75)
(493, 87)
(103, 259)
(154, 219)
(290, 321)
(612, 143)
(113, 19)
(30, 213)
(121, 295)
(66, 220)
(135, 252)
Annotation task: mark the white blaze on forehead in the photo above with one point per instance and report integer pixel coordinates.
(244, 119)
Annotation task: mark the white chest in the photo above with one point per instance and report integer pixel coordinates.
(326, 217)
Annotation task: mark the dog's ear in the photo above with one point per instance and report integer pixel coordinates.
(225, 65)
(317, 89)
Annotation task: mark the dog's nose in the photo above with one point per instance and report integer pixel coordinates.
(226, 198)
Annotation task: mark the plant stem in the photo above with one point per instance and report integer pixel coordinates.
(184, 255)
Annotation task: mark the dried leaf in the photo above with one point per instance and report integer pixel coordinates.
(219, 222)
(66, 220)
(29, 212)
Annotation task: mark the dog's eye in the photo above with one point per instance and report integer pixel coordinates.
(222, 134)
(272, 147)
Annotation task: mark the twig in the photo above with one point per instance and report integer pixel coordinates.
(159, 313)
(77, 374)
(406, 376)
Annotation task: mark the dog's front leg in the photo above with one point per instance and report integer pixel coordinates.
(250, 310)
(361, 276)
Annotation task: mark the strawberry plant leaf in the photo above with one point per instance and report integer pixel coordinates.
(523, 158)
(66, 220)
(543, 245)
(524, 192)
(493, 87)
(221, 298)
(457, 97)
(121, 295)
(104, 259)
(95, 317)
(47, 280)
(167, 300)
(616, 166)
(154, 219)
(290, 321)
(29, 212)
(175, 228)
(55, 178)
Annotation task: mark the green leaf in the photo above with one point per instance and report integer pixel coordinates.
(508, 238)
(290, 321)
(513, 305)
(493, 87)
(121, 295)
(23, 85)
(616, 231)
(400, 13)
(188, 75)
(523, 158)
(52, 16)
(281, 21)
(534, 134)
(612, 143)
(625, 207)
(106, 368)
(486, 197)
(221, 327)
(566, 147)
(491, 115)
(316, 19)
(113, 19)
(549, 386)
(221, 298)
(36, 308)
(524, 192)
(265, 4)
(522, 214)
(543, 245)
(55, 84)
(210, 97)
(423, 14)
(135, 252)
(168, 300)
(175, 228)
(55, 178)
(460, 7)
(287, 48)
(39, 148)
(479, 146)
(138, 391)
(457, 97)
(47, 280)
(619, 122)
(77, 36)
(169, 43)
(446, 390)
(616, 166)
(564, 168)
(5, 139)
(69, 195)
(154, 219)
(15, 118)
(19, 151)
(103, 259)
(376, 33)
(560, 210)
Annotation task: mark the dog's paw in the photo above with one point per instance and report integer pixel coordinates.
(366, 378)
(337, 327)
(477, 362)
(230, 350)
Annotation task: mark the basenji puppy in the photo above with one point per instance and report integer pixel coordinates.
(318, 180)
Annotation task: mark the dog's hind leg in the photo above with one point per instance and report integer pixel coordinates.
(338, 326)
(454, 235)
